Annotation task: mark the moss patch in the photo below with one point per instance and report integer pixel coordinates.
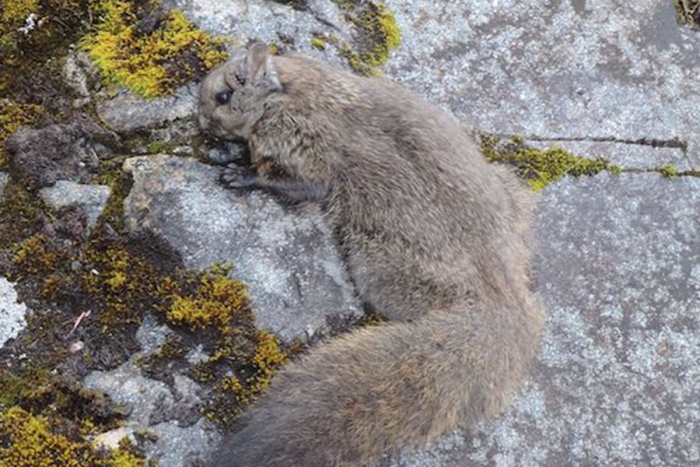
(28, 440)
(149, 50)
(542, 167)
(688, 12)
(32, 33)
(378, 34)
(22, 215)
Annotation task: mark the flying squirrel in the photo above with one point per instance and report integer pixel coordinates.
(434, 238)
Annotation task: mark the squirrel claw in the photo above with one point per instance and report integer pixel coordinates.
(236, 176)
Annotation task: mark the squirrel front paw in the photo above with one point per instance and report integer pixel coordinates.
(237, 176)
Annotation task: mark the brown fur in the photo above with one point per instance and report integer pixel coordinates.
(434, 238)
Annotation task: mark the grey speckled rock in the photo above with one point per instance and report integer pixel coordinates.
(269, 21)
(617, 380)
(12, 313)
(556, 70)
(287, 259)
(4, 178)
(128, 112)
(183, 436)
(564, 70)
(92, 199)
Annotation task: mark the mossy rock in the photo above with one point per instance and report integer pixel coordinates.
(149, 50)
(538, 167)
(378, 35)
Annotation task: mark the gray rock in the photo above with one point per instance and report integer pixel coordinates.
(231, 152)
(269, 21)
(562, 70)
(569, 70)
(617, 380)
(12, 313)
(151, 336)
(74, 73)
(129, 112)
(4, 178)
(183, 436)
(178, 446)
(92, 199)
(67, 151)
(285, 257)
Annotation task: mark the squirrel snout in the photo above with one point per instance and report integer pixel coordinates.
(203, 122)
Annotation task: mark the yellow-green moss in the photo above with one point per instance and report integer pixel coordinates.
(378, 35)
(542, 167)
(318, 42)
(151, 61)
(235, 391)
(214, 302)
(688, 12)
(37, 254)
(668, 171)
(28, 440)
(12, 116)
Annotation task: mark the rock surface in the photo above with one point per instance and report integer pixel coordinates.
(128, 112)
(183, 436)
(616, 383)
(91, 199)
(286, 257)
(12, 313)
(572, 70)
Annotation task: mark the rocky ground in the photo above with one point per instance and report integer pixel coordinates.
(617, 254)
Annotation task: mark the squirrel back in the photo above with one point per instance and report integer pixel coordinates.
(434, 237)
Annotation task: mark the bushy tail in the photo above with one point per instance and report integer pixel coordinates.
(370, 393)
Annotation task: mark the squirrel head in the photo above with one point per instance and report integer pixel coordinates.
(232, 97)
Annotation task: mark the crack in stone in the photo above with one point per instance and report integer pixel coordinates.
(675, 143)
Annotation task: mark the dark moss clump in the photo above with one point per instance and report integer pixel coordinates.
(22, 214)
(32, 34)
(378, 34)
(148, 49)
(542, 167)
(688, 12)
(12, 116)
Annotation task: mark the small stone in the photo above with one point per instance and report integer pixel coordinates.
(111, 439)
(92, 199)
(129, 112)
(12, 313)
(76, 346)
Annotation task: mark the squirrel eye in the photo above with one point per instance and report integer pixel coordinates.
(223, 97)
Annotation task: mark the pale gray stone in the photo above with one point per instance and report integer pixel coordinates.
(92, 199)
(12, 313)
(286, 257)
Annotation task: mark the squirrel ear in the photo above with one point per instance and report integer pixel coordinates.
(262, 73)
(253, 66)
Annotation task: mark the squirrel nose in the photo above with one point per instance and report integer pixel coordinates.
(203, 122)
